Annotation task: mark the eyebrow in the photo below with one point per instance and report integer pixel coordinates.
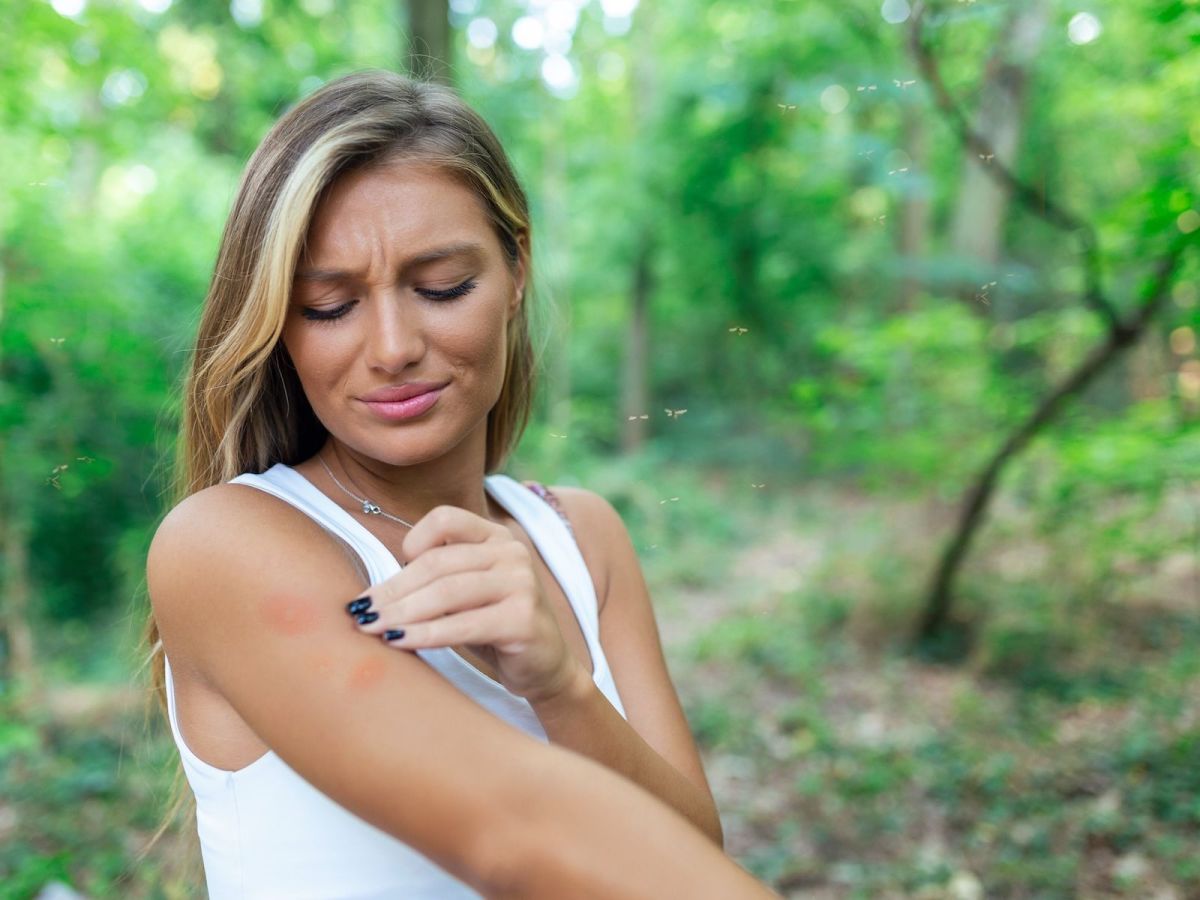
(460, 248)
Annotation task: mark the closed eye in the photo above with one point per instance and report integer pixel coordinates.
(327, 315)
(450, 293)
(316, 315)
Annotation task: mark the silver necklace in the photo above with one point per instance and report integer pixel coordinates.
(369, 508)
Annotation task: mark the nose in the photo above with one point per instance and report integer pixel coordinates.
(397, 332)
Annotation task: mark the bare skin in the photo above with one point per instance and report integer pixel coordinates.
(250, 594)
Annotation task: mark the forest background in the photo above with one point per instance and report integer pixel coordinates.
(876, 321)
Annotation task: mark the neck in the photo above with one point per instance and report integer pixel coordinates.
(411, 492)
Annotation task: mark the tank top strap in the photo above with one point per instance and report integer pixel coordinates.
(546, 494)
(287, 484)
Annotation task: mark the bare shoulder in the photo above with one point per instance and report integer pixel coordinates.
(229, 528)
(227, 504)
(254, 515)
(599, 530)
(587, 506)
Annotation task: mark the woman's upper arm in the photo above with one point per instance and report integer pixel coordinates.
(247, 590)
(629, 632)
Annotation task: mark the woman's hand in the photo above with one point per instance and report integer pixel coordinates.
(470, 581)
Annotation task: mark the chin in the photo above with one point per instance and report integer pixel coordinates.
(401, 449)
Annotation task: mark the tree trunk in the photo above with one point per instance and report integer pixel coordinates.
(634, 393)
(557, 252)
(915, 208)
(635, 370)
(428, 52)
(1149, 367)
(977, 230)
(19, 671)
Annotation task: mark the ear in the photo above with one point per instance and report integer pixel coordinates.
(520, 275)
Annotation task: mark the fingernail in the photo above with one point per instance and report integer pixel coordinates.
(360, 605)
(367, 618)
(393, 634)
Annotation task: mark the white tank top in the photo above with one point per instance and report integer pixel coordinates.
(265, 832)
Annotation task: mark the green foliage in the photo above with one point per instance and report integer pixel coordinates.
(911, 398)
(772, 213)
(78, 804)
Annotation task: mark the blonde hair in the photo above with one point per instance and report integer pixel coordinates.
(243, 408)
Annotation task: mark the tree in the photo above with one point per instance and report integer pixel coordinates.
(1122, 330)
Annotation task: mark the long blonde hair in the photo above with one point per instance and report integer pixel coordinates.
(243, 408)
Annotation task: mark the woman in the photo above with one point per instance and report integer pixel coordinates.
(363, 362)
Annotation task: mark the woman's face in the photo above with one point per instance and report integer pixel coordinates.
(404, 280)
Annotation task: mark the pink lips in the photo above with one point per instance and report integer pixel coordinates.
(395, 410)
(401, 391)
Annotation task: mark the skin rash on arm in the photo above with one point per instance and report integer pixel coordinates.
(291, 615)
(288, 615)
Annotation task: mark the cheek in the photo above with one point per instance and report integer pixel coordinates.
(316, 357)
(487, 339)
(471, 347)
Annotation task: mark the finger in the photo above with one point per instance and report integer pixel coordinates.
(443, 597)
(447, 525)
(439, 562)
(481, 625)
(435, 563)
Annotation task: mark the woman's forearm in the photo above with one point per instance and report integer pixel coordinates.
(582, 719)
(570, 827)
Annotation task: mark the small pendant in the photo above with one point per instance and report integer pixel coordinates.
(371, 509)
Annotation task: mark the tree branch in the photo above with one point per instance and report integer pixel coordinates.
(1029, 196)
(1119, 339)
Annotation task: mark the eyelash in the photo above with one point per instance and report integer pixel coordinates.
(446, 296)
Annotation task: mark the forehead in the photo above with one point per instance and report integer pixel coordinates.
(406, 206)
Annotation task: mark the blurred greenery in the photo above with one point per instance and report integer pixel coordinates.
(774, 158)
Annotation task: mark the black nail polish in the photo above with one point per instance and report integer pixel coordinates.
(367, 618)
(362, 604)
(393, 634)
